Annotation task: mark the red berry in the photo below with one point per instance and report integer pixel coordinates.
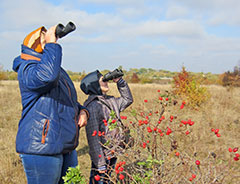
(166, 99)
(97, 177)
(197, 162)
(187, 132)
(237, 155)
(216, 131)
(236, 158)
(149, 129)
(99, 156)
(117, 166)
(121, 169)
(218, 135)
(94, 133)
(190, 179)
(177, 154)
(193, 176)
(191, 123)
(168, 131)
(121, 177)
(235, 149)
(144, 145)
(117, 171)
(146, 101)
(230, 150)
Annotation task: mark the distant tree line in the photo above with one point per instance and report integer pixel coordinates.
(147, 75)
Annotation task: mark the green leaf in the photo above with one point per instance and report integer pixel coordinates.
(142, 163)
(107, 143)
(134, 113)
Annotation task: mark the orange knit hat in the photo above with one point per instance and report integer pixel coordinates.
(33, 40)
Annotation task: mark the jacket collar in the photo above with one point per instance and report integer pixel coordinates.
(30, 54)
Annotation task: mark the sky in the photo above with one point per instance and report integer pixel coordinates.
(202, 35)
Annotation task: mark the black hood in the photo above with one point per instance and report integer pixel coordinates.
(90, 83)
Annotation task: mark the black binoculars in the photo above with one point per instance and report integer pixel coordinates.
(112, 75)
(62, 31)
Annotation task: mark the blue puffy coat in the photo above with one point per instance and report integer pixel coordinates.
(50, 110)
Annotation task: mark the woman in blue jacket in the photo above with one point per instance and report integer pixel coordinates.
(48, 130)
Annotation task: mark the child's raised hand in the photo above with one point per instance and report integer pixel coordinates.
(117, 79)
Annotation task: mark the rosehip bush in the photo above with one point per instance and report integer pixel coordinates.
(170, 146)
(166, 147)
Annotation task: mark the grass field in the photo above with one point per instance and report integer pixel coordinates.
(222, 111)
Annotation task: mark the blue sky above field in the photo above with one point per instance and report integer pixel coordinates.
(202, 35)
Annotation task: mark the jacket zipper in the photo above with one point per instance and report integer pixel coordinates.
(45, 131)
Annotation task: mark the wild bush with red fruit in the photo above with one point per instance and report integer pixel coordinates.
(171, 145)
(167, 147)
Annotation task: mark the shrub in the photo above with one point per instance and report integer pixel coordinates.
(74, 176)
(168, 148)
(231, 79)
(134, 78)
(188, 88)
(12, 76)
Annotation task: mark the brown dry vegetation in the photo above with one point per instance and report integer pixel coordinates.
(221, 111)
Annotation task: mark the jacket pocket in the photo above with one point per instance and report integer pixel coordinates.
(45, 131)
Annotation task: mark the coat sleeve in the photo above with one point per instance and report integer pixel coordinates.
(95, 148)
(45, 73)
(126, 98)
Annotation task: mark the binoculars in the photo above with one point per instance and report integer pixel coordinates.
(112, 75)
(62, 31)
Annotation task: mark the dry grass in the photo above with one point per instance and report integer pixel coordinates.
(221, 111)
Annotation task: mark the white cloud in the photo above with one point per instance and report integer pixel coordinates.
(118, 2)
(131, 32)
(131, 12)
(176, 28)
(215, 11)
(176, 12)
